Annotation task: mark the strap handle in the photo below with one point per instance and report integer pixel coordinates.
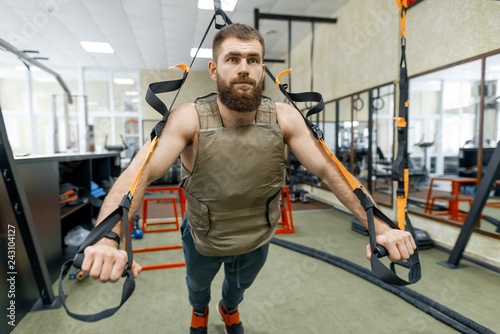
(95, 235)
(379, 268)
(120, 213)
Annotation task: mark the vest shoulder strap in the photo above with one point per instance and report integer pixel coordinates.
(266, 114)
(208, 112)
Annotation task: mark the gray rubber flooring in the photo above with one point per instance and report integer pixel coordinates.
(294, 293)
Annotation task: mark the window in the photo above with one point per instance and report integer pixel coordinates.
(114, 110)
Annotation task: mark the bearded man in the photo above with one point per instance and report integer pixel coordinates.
(231, 144)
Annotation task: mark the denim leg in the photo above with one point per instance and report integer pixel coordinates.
(240, 274)
(200, 270)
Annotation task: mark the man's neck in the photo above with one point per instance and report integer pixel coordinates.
(231, 118)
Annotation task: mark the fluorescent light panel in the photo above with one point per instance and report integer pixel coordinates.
(97, 47)
(227, 5)
(123, 81)
(203, 53)
(24, 68)
(45, 79)
(434, 82)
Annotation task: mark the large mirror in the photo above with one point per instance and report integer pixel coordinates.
(359, 129)
(454, 120)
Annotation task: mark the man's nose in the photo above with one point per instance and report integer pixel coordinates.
(243, 66)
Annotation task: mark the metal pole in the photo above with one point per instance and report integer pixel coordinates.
(371, 111)
(55, 137)
(33, 136)
(67, 123)
(9, 47)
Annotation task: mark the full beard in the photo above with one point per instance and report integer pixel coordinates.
(241, 101)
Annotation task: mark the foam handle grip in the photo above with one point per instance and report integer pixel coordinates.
(379, 251)
(78, 261)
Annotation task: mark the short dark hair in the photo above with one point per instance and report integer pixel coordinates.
(240, 31)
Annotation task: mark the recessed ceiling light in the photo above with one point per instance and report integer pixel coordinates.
(202, 53)
(123, 81)
(227, 5)
(97, 47)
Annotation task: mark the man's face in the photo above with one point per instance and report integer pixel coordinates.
(239, 74)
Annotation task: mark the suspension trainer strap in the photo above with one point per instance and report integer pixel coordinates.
(96, 234)
(400, 167)
(379, 269)
(122, 212)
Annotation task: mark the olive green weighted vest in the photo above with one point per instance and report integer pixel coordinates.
(233, 191)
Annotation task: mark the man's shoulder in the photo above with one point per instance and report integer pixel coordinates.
(185, 112)
(186, 105)
(285, 108)
(289, 118)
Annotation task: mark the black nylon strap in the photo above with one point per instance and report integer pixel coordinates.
(121, 212)
(157, 104)
(95, 235)
(162, 87)
(176, 85)
(401, 161)
(304, 97)
(378, 267)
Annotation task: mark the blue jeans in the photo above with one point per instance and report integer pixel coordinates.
(239, 272)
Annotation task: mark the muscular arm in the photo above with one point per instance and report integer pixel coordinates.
(103, 260)
(313, 156)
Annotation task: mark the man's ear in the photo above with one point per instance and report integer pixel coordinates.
(212, 70)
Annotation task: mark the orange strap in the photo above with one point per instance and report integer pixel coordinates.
(282, 73)
(183, 67)
(402, 200)
(350, 179)
(133, 186)
(402, 5)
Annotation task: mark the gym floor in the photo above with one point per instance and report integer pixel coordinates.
(294, 293)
